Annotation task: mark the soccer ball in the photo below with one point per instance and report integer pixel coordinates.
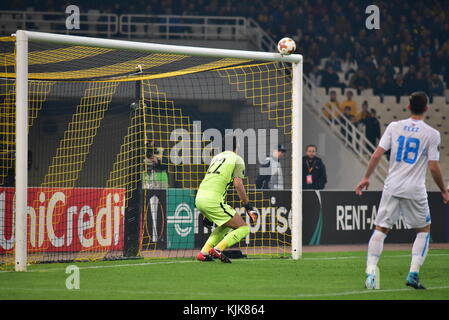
(286, 46)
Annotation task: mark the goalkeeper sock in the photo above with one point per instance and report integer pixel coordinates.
(419, 250)
(233, 237)
(375, 247)
(214, 238)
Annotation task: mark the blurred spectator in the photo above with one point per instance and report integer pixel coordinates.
(334, 62)
(314, 52)
(360, 81)
(369, 68)
(331, 106)
(409, 78)
(330, 78)
(348, 65)
(398, 87)
(436, 87)
(373, 57)
(418, 83)
(388, 68)
(346, 121)
(364, 113)
(351, 104)
(359, 53)
(338, 44)
(313, 170)
(403, 54)
(412, 32)
(342, 24)
(422, 83)
(372, 129)
(155, 175)
(383, 82)
(315, 76)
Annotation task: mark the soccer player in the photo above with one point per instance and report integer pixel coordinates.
(414, 146)
(225, 169)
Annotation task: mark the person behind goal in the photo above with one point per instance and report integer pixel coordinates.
(226, 169)
(414, 146)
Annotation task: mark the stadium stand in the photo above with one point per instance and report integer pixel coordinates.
(411, 34)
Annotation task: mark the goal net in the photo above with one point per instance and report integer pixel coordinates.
(104, 144)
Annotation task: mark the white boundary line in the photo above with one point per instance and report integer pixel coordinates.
(194, 261)
(366, 291)
(383, 257)
(216, 293)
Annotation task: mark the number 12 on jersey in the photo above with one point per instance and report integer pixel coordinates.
(407, 149)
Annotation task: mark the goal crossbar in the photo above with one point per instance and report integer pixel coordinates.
(159, 48)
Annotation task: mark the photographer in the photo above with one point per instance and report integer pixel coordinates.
(156, 164)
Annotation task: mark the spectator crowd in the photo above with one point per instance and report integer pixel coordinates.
(410, 51)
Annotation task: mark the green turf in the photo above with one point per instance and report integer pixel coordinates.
(316, 276)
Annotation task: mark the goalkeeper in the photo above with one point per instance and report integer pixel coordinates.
(225, 169)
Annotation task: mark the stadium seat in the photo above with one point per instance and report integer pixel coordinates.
(7, 24)
(383, 126)
(359, 100)
(400, 111)
(439, 111)
(404, 101)
(322, 63)
(439, 100)
(140, 29)
(373, 101)
(354, 91)
(197, 31)
(434, 111)
(211, 32)
(338, 91)
(367, 92)
(435, 123)
(226, 32)
(389, 100)
(394, 112)
(444, 152)
(152, 29)
(43, 26)
(40, 23)
(3, 25)
(341, 77)
(322, 92)
(380, 108)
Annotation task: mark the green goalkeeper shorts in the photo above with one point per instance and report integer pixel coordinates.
(214, 209)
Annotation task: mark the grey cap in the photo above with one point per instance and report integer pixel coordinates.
(281, 148)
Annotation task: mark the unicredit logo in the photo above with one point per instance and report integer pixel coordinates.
(66, 219)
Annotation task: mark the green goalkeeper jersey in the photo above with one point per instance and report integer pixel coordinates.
(220, 174)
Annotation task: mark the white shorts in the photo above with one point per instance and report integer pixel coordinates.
(416, 213)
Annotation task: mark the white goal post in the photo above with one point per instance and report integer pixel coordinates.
(21, 183)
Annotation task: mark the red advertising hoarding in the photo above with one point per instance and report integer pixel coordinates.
(66, 220)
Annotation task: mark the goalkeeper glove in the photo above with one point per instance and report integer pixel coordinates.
(207, 223)
(251, 212)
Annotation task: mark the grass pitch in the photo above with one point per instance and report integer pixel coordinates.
(316, 276)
